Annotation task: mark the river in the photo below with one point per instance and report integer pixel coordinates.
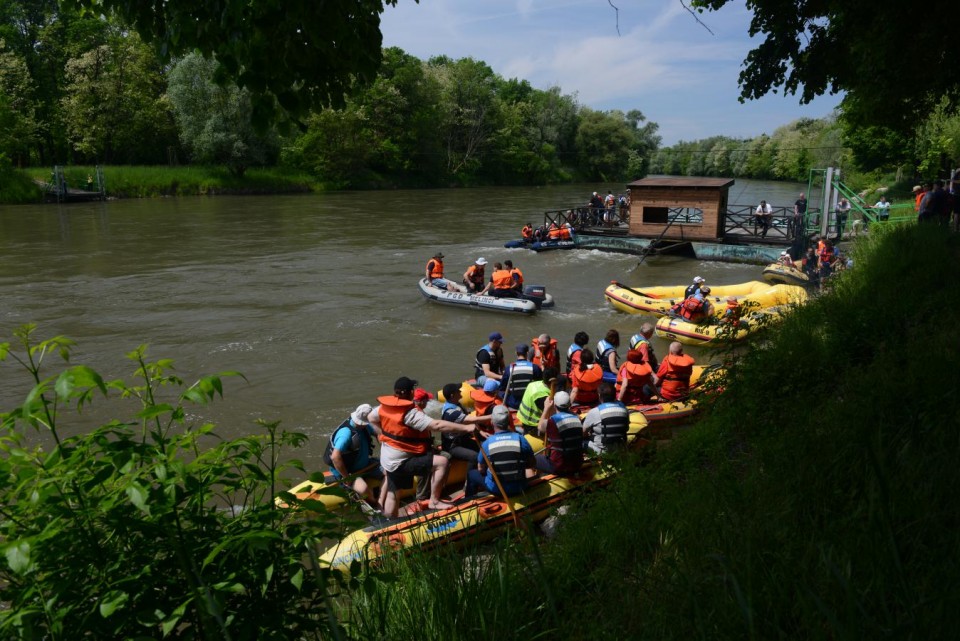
(312, 297)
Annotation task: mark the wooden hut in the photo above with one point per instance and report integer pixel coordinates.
(678, 208)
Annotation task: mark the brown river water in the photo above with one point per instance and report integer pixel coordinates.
(313, 298)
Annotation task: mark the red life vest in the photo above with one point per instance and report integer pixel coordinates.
(435, 267)
(502, 279)
(549, 357)
(587, 381)
(527, 232)
(395, 433)
(692, 309)
(732, 313)
(675, 372)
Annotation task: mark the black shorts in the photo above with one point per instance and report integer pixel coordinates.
(402, 477)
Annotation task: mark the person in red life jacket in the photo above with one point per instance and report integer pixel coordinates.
(636, 381)
(563, 433)
(474, 278)
(585, 379)
(607, 354)
(527, 233)
(825, 258)
(517, 377)
(674, 373)
(696, 309)
(580, 340)
(516, 274)
(406, 445)
(489, 363)
(545, 352)
(641, 342)
(732, 313)
(501, 283)
(434, 274)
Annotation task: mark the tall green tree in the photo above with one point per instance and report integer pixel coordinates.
(604, 141)
(215, 120)
(18, 125)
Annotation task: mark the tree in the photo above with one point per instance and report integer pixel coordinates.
(18, 127)
(604, 141)
(215, 120)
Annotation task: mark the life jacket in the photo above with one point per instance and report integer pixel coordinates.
(449, 440)
(609, 200)
(435, 266)
(675, 378)
(554, 233)
(573, 357)
(395, 433)
(520, 376)
(483, 404)
(527, 232)
(358, 434)
(566, 447)
(518, 280)
(564, 233)
(475, 275)
(502, 279)
(587, 381)
(639, 342)
(506, 456)
(549, 357)
(614, 424)
(732, 313)
(692, 309)
(826, 255)
(494, 362)
(603, 352)
(691, 290)
(634, 376)
(529, 414)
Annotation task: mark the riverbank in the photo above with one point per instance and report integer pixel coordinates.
(813, 500)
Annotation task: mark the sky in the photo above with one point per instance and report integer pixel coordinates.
(662, 62)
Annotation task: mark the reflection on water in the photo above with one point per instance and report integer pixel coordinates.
(313, 298)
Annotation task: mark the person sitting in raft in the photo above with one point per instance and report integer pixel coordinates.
(527, 233)
(563, 433)
(785, 259)
(531, 406)
(518, 377)
(580, 340)
(636, 381)
(460, 446)
(693, 288)
(488, 363)
(585, 379)
(501, 283)
(510, 455)
(641, 342)
(350, 451)
(606, 426)
(434, 274)
(474, 279)
(695, 309)
(732, 313)
(545, 351)
(607, 352)
(406, 446)
(517, 276)
(674, 373)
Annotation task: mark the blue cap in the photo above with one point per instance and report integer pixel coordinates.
(496, 336)
(491, 386)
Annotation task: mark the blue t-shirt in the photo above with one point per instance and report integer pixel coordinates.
(512, 487)
(341, 441)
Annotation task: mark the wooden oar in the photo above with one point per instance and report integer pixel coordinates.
(630, 289)
(496, 479)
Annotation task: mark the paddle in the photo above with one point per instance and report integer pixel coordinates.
(634, 291)
(496, 480)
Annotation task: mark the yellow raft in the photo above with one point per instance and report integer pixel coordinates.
(714, 334)
(782, 275)
(658, 300)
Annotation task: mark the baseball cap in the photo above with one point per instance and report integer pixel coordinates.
(450, 389)
(481, 261)
(698, 279)
(359, 416)
(495, 336)
(491, 385)
(500, 416)
(438, 255)
(561, 399)
(404, 384)
(523, 348)
(421, 394)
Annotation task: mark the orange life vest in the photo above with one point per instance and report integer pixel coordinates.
(435, 267)
(483, 404)
(475, 275)
(634, 376)
(554, 232)
(395, 433)
(565, 233)
(692, 309)
(675, 372)
(502, 279)
(549, 357)
(587, 381)
(732, 313)
(527, 232)
(519, 279)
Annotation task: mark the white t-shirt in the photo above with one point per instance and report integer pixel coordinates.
(391, 457)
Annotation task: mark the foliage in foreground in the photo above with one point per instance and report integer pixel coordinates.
(140, 529)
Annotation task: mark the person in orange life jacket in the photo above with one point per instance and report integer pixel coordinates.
(474, 278)
(641, 342)
(694, 288)
(674, 373)
(434, 274)
(516, 275)
(486, 398)
(563, 433)
(580, 340)
(732, 313)
(636, 381)
(350, 450)
(460, 446)
(607, 352)
(696, 309)
(545, 352)
(585, 379)
(606, 426)
(489, 361)
(510, 455)
(527, 233)
(501, 283)
(517, 377)
(406, 445)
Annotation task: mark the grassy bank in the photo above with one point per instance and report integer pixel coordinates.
(815, 499)
(154, 181)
